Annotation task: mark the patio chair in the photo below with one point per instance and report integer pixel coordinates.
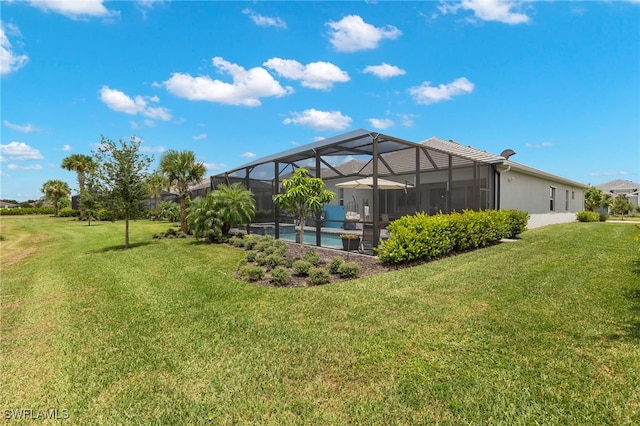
(366, 242)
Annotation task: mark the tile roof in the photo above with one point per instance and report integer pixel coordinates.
(619, 185)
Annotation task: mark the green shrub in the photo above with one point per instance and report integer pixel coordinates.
(237, 241)
(349, 270)
(422, 237)
(251, 273)
(251, 256)
(250, 242)
(68, 212)
(261, 258)
(26, 211)
(604, 217)
(335, 264)
(105, 215)
(588, 216)
(264, 243)
(301, 267)
(517, 221)
(275, 259)
(318, 276)
(312, 257)
(280, 276)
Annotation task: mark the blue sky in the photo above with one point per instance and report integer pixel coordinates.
(556, 81)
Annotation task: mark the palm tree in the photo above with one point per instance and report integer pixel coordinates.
(155, 184)
(213, 216)
(235, 205)
(55, 189)
(81, 164)
(181, 169)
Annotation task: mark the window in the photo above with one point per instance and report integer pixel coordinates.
(341, 196)
(573, 195)
(566, 200)
(552, 198)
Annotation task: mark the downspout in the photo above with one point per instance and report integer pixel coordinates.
(499, 186)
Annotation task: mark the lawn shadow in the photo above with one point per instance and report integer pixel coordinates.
(631, 329)
(120, 247)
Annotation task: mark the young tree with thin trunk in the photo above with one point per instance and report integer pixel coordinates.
(181, 170)
(621, 205)
(81, 164)
(55, 190)
(303, 194)
(122, 171)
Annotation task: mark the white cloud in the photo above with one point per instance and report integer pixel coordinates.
(32, 167)
(264, 21)
(74, 8)
(25, 128)
(315, 75)
(215, 166)
(19, 151)
(9, 60)
(384, 70)
(406, 119)
(248, 155)
(200, 137)
(426, 94)
(152, 149)
(609, 173)
(66, 147)
(538, 145)
(320, 120)
(247, 87)
(351, 34)
(381, 123)
(505, 11)
(121, 102)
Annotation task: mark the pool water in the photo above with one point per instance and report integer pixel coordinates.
(326, 239)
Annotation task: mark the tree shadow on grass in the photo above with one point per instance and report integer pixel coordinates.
(120, 247)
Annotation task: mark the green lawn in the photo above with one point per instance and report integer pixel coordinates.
(545, 330)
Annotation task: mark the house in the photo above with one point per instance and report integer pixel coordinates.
(620, 186)
(7, 205)
(431, 176)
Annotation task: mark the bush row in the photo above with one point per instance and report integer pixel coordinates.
(266, 258)
(26, 210)
(588, 216)
(422, 237)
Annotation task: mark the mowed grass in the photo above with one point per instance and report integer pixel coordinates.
(545, 330)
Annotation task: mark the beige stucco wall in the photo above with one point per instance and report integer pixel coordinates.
(533, 194)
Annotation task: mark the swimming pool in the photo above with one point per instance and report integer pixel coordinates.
(326, 239)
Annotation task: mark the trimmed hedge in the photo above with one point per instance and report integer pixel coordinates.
(26, 210)
(588, 216)
(423, 237)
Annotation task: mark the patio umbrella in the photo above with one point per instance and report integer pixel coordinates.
(367, 183)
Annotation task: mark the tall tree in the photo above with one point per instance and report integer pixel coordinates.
(81, 164)
(122, 172)
(55, 190)
(181, 170)
(302, 195)
(156, 182)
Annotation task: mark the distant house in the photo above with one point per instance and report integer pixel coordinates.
(620, 186)
(6, 205)
(432, 176)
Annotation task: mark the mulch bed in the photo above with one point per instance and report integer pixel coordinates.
(368, 264)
